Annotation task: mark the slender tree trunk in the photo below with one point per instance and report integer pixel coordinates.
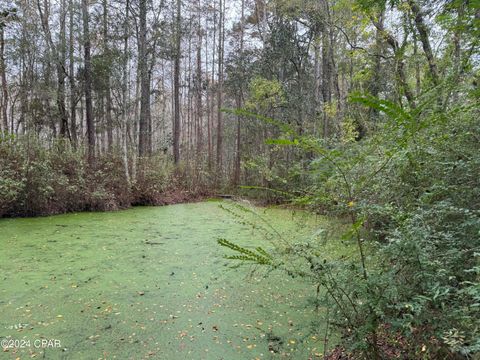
(3, 75)
(457, 47)
(144, 82)
(151, 66)
(50, 116)
(58, 54)
(326, 82)
(236, 172)
(221, 40)
(100, 101)
(176, 84)
(400, 63)
(88, 83)
(199, 88)
(375, 86)
(64, 130)
(73, 100)
(424, 39)
(108, 94)
(124, 93)
(23, 89)
(188, 94)
(317, 82)
(149, 115)
(331, 52)
(417, 64)
(12, 114)
(207, 94)
(212, 96)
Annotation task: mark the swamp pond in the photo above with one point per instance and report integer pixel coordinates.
(152, 282)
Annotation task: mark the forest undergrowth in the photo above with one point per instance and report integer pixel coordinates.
(410, 194)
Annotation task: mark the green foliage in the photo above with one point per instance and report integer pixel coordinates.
(154, 175)
(35, 180)
(349, 131)
(259, 256)
(265, 95)
(411, 194)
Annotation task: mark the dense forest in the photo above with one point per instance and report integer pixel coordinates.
(363, 111)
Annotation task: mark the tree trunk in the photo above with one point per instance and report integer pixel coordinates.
(73, 100)
(124, 93)
(236, 172)
(199, 88)
(326, 82)
(211, 93)
(176, 84)
(424, 39)
(317, 84)
(58, 53)
(375, 86)
(144, 82)
(221, 41)
(88, 83)
(457, 47)
(417, 64)
(108, 94)
(64, 131)
(400, 64)
(189, 133)
(3, 75)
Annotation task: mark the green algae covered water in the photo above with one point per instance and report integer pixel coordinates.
(149, 283)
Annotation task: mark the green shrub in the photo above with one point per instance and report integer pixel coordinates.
(154, 177)
(35, 180)
(411, 193)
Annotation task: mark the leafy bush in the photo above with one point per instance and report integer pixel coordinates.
(411, 195)
(35, 180)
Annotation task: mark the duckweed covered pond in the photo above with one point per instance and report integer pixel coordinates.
(151, 282)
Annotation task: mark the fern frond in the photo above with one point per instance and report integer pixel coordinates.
(259, 257)
(389, 108)
(263, 252)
